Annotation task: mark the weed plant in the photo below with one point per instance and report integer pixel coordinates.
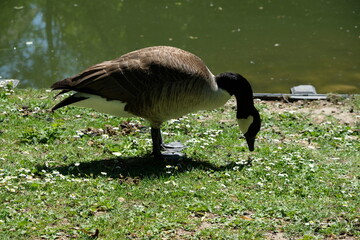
(79, 174)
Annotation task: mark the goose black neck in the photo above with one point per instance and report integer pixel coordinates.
(237, 85)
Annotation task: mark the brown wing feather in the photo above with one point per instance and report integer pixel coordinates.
(132, 74)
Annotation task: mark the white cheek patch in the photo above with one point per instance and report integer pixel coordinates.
(244, 123)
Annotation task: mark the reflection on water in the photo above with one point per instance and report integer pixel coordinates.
(275, 44)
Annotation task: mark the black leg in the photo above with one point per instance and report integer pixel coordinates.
(169, 150)
(157, 142)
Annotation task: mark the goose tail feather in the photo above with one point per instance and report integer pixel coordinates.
(67, 101)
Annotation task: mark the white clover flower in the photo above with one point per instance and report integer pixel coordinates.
(105, 136)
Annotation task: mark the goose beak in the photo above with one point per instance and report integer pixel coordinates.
(250, 142)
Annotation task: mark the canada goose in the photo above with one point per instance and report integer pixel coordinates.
(160, 83)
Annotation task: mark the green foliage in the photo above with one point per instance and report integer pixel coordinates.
(74, 174)
(40, 136)
(6, 90)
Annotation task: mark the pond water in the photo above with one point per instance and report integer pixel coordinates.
(275, 44)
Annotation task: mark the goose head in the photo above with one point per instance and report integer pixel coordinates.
(247, 115)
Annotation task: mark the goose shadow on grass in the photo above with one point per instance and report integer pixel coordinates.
(140, 167)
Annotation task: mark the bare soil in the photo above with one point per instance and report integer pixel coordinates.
(319, 110)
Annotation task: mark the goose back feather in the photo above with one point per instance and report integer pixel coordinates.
(155, 83)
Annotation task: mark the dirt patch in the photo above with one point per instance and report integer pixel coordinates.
(282, 236)
(319, 111)
(275, 236)
(125, 128)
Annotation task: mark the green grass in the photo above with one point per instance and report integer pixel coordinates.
(79, 174)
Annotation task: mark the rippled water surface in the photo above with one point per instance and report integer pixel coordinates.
(275, 44)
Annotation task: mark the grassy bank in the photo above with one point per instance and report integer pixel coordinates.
(79, 174)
